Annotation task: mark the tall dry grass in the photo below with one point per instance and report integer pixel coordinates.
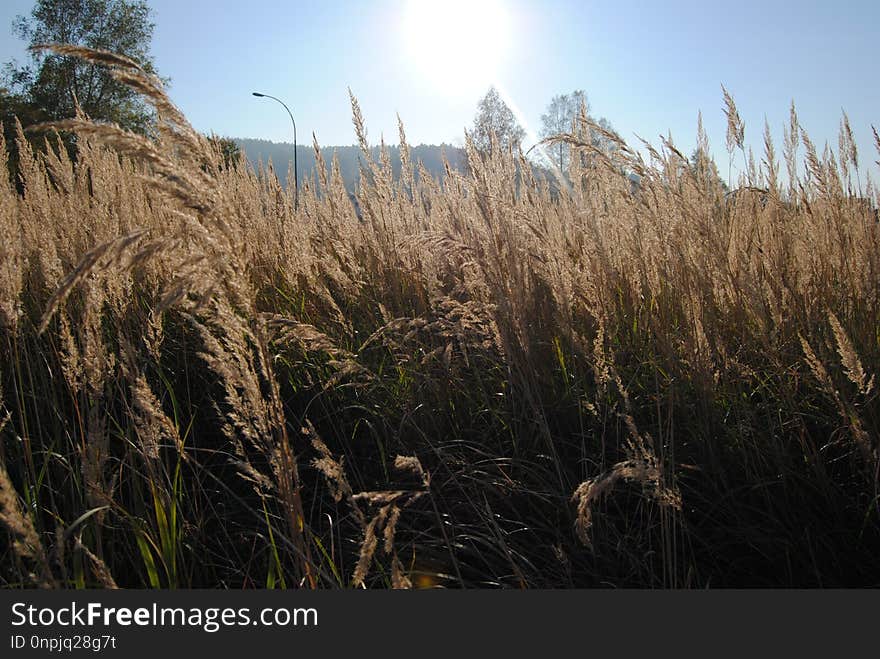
(486, 381)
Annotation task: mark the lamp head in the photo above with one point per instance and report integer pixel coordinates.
(258, 94)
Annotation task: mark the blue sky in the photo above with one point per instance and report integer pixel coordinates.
(646, 66)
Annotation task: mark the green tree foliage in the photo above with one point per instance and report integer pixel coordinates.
(50, 86)
(228, 148)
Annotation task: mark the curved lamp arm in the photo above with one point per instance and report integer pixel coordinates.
(295, 168)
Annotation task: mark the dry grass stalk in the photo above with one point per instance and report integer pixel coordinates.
(389, 505)
(735, 125)
(495, 296)
(849, 357)
(26, 543)
(99, 568)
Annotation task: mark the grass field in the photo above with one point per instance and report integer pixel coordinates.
(483, 382)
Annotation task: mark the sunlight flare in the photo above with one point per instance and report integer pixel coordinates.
(457, 45)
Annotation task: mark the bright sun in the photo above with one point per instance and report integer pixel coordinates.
(456, 45)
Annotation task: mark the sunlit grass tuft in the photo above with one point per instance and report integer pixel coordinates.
(486, 381)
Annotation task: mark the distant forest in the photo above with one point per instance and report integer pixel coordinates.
(281, 156)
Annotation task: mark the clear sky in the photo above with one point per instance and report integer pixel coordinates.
(646, 66)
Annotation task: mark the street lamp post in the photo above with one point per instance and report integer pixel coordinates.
(295, 169)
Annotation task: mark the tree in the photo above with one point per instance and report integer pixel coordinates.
(560, 117)
(51, 85)
(494, 116)
(705, 170)
(227, 148)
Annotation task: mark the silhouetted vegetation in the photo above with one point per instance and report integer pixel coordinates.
(476, 382)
